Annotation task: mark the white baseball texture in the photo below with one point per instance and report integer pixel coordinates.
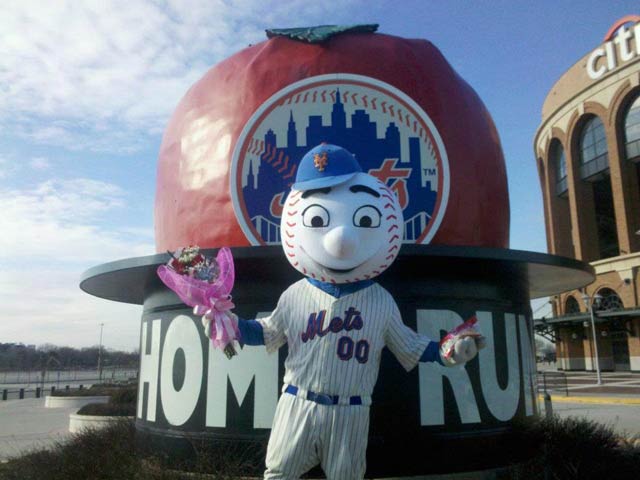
(350, 232)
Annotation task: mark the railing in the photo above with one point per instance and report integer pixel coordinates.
(38, 377)
(22, 393)
(553, 382)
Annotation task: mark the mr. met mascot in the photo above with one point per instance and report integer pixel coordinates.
(340, 228)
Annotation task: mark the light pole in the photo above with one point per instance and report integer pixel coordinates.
(592, 303)
(100, 355)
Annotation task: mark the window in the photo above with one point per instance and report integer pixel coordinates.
(593, 148)
(632, 130)
(571, 306)
(560, 165)
(610, 300)
(561, 162)
(593, 142)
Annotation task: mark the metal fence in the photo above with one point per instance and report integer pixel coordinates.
(48, 378)
(549, 382)
(38, 392)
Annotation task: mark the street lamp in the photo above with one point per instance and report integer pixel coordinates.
(100, 355)
(592, 303)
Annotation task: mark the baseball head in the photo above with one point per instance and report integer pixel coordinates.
(340, 225)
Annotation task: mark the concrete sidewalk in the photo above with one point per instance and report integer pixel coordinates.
(602, 399)
(581, 387)
(27, 424)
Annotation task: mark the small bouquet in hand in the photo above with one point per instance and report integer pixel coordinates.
(464, 330)
(205, 284)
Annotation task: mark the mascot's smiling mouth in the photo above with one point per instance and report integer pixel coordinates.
(328, 269)
(336, 270)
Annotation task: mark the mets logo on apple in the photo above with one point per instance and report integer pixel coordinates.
(392, 138)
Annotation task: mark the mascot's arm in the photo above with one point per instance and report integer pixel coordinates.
(251, 332)
(267, 331)
(432, 353)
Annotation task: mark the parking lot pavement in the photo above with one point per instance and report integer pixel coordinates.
(615, 403)
(624, 419)
(27, 424)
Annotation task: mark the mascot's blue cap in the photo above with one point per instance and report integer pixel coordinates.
(325, 166)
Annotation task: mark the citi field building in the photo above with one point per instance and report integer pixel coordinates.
(588, 156)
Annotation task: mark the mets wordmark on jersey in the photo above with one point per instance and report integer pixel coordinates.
(335, 344)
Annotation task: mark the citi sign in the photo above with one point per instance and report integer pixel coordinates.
(622, 43)
(185, 384)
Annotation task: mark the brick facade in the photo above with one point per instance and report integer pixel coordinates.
(570, 216)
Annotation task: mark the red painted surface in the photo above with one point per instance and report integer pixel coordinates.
(193, 199)
(614, 28)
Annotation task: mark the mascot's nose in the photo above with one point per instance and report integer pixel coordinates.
(341, 242)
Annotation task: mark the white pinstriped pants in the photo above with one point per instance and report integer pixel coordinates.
(306, 434)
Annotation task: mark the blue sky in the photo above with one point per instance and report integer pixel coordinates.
(86, 89)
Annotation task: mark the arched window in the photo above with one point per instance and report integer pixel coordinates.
(610, 300)
(560, 164)
(571, 306)
(594, 170)
(632, 129)
(593, 148)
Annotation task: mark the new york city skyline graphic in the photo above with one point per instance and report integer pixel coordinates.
(381, 157)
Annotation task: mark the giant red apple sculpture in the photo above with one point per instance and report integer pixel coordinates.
(230, 151)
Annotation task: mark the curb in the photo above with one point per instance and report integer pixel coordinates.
(601, 400)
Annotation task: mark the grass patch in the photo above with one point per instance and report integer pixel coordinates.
(125, 395)
(123, 392)
(577, 448)
(122, 403)
(565, 449)
(109, 409)
(104, 454)
(118, 452)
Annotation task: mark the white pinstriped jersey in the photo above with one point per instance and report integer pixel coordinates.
(335, 344)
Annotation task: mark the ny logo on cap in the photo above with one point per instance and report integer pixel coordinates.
(320, 161)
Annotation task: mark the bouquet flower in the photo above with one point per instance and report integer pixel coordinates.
(205, 284)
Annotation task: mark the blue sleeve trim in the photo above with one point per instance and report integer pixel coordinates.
(432, 353)
(251, 332)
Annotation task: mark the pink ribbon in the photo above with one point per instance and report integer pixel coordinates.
(225, 327)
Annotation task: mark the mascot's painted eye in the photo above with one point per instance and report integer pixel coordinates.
(367, 216)
(315, 216)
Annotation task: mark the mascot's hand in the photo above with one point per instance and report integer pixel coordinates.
(210, 326)
(465, 349)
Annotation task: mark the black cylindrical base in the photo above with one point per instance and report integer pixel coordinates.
(429, 420)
